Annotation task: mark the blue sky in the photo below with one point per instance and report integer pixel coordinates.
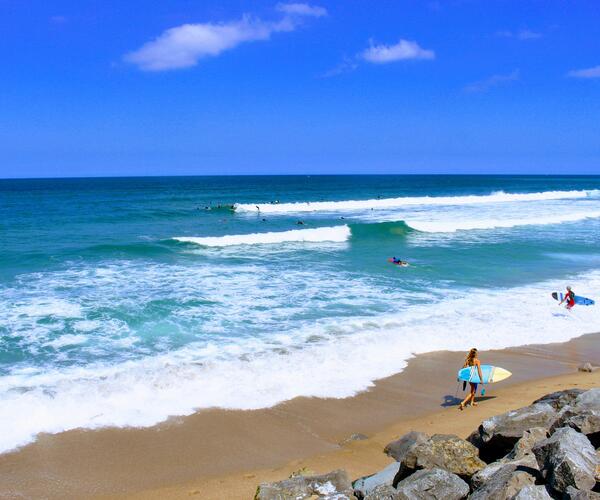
(133, 87)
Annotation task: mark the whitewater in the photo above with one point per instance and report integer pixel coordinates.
(133, 302)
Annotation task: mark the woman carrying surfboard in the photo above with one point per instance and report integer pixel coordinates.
(472, 362)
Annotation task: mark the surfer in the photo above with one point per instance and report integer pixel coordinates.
(569, 298)
(398, 262)
(471, 361)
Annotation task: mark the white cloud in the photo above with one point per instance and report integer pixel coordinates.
(301, 9)
(183, 46)
(585, 73)
(492, 81)
(403, 50)
(520, 35)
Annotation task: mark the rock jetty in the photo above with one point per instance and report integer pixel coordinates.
(547, 450)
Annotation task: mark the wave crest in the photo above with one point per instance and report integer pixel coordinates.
(385, 203)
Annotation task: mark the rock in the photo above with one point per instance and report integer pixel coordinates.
(504, 484)
(590, 399)
(528, 463)
(497, 435)
(432, 484)
(575, 494)
(398, 449)
(597, 473)
(353, 437)
(567, 458)
(533, 493)
(560, 398)
(444, 451)
(383, 492)
(365, 485)
(583, 419)
(524, 445)
(334, 485)
(586, 367)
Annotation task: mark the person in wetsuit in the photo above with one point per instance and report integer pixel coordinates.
(569, 298)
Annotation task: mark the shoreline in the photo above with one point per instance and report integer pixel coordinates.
(216, 452)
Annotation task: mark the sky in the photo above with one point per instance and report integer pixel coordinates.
(203, 87)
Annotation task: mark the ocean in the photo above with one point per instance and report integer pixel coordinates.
(124, 301)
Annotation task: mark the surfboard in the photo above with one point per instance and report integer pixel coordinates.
(401, 264)
(491, 374)
(582, 301)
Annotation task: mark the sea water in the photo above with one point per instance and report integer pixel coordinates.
(126, 301)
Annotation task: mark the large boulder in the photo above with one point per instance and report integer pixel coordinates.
(533, 493)
(399, 448)
(383, 492)
(432, 484)
(567, 458)
(583, 419)
(365, 485)
(504, 484)
(560, 399)
(589, 398)
(524, 445)
(528, 464)
(332, 486)
(444, 451)
(497, 435)
(575, 494)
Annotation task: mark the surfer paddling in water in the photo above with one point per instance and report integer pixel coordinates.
(471, 361)
(569, 298)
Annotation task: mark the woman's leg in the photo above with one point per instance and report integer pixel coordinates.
(472, 395)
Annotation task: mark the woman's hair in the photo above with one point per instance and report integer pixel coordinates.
(470, 357)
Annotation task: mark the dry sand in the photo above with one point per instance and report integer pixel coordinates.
(218, 454)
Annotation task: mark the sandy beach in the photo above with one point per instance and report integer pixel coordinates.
(225, 454)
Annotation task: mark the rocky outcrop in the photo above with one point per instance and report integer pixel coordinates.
(432, 484)
(444, 451)
(332, 486)
(545, 450)
(496, 436)
(567, 458)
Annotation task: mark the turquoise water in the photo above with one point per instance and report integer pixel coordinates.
(125, 301)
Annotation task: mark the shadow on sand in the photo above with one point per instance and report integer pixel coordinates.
(451, 400)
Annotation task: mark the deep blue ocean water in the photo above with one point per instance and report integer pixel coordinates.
(126, 300)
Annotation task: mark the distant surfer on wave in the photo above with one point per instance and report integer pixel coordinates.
(569, 298)
(473, 362)
(398, 262)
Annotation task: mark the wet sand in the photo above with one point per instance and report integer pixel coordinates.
(225, 454)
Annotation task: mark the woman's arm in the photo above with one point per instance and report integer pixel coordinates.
(478, 363)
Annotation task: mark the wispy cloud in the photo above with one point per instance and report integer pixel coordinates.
(520, 35)
(301, 9)
(348, 65)
(493, 81)
(381, 54)
(585, 73)
(58, 19)
(183, 46)
(402, 51)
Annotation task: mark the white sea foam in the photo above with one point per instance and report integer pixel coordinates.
(317, 235)
(450, 225)
(257, 372)
(387, 203)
